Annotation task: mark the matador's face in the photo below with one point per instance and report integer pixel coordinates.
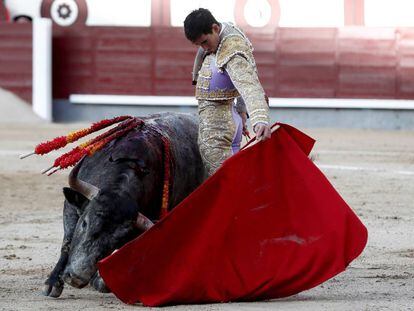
(210, 42)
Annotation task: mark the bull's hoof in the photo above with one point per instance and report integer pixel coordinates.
(53, 291)
(98, 283)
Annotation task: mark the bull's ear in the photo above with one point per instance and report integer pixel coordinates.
(74, 197)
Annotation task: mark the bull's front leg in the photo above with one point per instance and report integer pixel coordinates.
(54, 283)
(142, 223)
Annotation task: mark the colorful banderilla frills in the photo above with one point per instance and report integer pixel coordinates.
(93, 145)
(88, 148)
(62, 141)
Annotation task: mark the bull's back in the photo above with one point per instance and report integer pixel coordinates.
(181, 129)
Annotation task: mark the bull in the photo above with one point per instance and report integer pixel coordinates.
(114, 193)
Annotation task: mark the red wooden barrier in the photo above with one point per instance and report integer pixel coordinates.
(16, 59)
(128, 61)
(347, 62)
(367, 63)
(307, 62)
(405, 63)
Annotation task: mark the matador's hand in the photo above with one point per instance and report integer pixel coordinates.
(262, 131)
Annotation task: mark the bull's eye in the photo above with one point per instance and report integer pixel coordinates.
(84, 224)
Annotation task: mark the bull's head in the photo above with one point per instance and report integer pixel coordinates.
(100, 228)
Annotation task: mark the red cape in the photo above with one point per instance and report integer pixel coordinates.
(268, 224)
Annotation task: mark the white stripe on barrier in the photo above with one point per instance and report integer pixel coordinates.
(133, 100)
(320, 103)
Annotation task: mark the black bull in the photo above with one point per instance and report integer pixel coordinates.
(110, 189)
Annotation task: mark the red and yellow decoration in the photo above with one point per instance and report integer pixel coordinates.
(126, 124)
(62, 141)
(167, 176)
(90, 147)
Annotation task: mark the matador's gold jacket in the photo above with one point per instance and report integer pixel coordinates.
(230, 73)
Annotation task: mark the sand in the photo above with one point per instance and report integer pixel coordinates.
(372, 170)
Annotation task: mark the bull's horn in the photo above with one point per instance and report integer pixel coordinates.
(86, 189)
(143, 223)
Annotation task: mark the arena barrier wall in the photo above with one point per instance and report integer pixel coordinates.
(348, 62)
(16, 59)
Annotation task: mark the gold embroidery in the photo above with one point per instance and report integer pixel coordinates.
(202, 91)
(205, 73)
(244, 77)
(216, 132)
(220, 94)
(232, 45)
(203, 83)
(216, 127)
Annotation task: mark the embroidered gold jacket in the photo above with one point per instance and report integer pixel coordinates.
(231, 72)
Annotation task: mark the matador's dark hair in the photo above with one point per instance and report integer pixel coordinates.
(197, 23)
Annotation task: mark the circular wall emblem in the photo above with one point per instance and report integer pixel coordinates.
(64, 12)
(259, 14)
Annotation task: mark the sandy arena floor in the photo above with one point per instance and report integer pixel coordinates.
(372, 170)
